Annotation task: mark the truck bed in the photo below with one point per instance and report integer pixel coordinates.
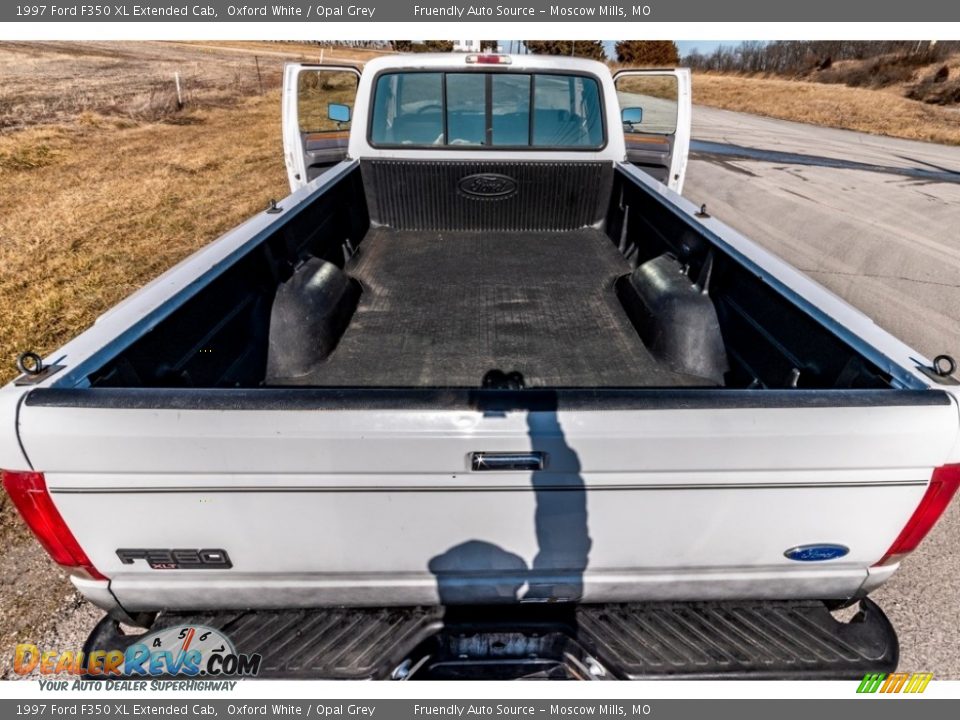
(443, 309)
(582, 279)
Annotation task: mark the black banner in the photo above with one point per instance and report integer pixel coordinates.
(446, 709)
(538, 11)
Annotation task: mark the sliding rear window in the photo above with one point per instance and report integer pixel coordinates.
(487, 110)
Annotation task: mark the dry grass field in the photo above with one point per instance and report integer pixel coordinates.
(99, 197)
(881, 112)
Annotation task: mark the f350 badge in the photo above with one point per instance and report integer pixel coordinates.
(177, 558)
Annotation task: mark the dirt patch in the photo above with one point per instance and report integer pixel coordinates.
(38, 604)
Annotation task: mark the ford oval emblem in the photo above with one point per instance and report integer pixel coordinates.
(488, 185)
(817, 552)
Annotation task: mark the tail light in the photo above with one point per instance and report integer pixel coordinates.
(28, 491)
(943, 485)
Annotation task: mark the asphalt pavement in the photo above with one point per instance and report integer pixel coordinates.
(877, 221)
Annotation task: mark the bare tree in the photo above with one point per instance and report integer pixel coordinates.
(592, 49)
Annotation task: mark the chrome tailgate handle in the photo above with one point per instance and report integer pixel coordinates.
(530, 461)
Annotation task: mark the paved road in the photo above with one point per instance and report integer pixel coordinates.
(877, 221)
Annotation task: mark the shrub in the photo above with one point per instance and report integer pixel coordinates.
(648, 52)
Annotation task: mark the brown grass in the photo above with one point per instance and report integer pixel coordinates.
(107, 182)
(880, 112)
(90, 211)
(57, 82)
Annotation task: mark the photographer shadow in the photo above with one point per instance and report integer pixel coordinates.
(477, 572)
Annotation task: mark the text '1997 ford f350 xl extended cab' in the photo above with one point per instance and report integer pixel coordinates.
(486, 397)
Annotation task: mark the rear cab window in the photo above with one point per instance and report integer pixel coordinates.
(487, 110)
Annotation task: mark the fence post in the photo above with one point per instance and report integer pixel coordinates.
(176, 80)
(256, 59)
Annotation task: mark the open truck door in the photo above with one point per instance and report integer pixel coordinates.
(655, 108)
(317, 110)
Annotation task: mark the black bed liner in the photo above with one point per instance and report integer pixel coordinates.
(395, 284)
(744, 639)
(443, 309)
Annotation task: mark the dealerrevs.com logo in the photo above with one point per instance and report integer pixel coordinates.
(183, 651)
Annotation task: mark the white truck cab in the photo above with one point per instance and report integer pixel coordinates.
(446, 104)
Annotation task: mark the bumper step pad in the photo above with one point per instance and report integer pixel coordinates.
(703, 640)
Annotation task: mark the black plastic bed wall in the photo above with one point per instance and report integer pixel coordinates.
(769, 341)
(476, 195)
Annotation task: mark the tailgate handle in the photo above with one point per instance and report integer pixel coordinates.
(507, 461)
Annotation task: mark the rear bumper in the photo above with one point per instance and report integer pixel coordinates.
(737, 640)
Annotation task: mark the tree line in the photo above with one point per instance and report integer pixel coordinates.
(647, 53)
(434, 45)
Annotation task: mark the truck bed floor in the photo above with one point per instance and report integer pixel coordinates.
(443, 309)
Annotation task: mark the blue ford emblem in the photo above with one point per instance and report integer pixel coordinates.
(816, 553)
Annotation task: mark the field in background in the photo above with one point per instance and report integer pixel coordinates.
(307, 52)
(911, 93)
(55, 82)
(881, 111)
(107, 182)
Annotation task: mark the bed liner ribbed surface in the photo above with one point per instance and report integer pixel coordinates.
(442, 309)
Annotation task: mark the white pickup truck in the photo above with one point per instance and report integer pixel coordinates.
(484, 396)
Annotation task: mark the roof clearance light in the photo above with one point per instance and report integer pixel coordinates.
(488, 60)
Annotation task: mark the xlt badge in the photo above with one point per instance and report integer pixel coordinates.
(177, 558)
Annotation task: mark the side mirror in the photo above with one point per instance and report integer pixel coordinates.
(338, 113)
(631, 115)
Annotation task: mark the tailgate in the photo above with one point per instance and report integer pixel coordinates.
(359, 497)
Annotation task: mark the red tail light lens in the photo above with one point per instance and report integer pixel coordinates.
(943, 486)
(28, 491)
(488, 59)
